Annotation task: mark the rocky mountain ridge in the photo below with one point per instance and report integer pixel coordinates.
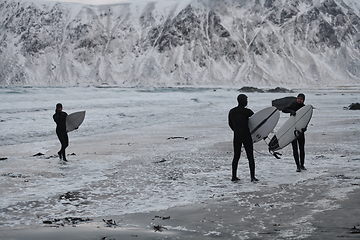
(170, 43)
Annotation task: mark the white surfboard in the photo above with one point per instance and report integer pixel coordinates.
(74, 120)
(263, 122)
(289, 131)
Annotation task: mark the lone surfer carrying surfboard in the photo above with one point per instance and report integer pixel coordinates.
(238, 122)
(299, 142)
(60, 119)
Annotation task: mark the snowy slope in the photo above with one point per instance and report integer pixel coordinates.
(169, 43)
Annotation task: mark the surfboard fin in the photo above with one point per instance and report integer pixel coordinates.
(276, 154)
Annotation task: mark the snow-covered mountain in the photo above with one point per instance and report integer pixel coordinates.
(189, 42)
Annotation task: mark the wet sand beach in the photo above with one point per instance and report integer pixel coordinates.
(206, 221)
(171, 180)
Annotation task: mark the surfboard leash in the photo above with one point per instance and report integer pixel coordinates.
(275, 154)
(272, 153)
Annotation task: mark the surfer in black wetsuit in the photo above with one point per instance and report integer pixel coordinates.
(300, 140)
(238, 121)
(60, 119)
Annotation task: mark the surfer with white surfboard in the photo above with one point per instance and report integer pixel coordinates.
(60, 119)
(66, 123)
(238, 118)
(299, 142)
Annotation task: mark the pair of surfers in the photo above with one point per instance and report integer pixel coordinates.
(238, 122)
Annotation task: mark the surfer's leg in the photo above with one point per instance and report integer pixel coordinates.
(65, 145)
(301, 140)
(237, 152)
(296, 154)
(66, 140)
(249, 148)
(60, 139)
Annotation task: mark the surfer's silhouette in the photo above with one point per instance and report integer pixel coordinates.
(238, 121)
(60, 119)
(299, 142)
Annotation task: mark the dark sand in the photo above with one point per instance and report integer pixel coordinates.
(211, 220)
(342, 223)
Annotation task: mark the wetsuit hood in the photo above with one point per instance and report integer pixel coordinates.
(302, 96)
(59, 105)
(242, 100)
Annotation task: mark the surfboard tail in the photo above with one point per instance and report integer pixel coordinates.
(274, 144)
(263, 122)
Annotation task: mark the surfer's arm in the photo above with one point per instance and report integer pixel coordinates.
(55, 117)
(289, 110)
(250, 112)
(231, 125)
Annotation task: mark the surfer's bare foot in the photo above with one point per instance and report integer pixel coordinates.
(235, 179)
(65, 160)
(303, 168)
(298, 170)
(254, 179)
(59, 155)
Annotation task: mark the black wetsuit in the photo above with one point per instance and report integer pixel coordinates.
(60, 119)
(300, 140)
(238, 121)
